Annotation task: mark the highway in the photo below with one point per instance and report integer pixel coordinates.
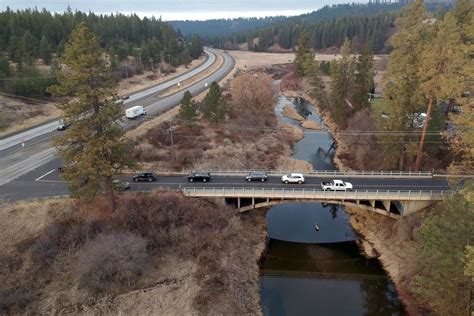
(45, 182)
(144, 97)
(26, 151)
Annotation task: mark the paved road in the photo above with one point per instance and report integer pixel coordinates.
(45, 181)
(17, 160)
(144, 97)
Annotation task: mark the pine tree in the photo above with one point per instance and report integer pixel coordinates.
(441, 242)
(402, 90)
(5, 69)
(302, 54)
(342, 85)
(187, 111)
(443, 70)
(214, 105)
(364, 78)
(93, 148)
(463, 141)
(45, 50)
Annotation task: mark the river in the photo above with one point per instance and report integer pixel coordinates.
(319, 272)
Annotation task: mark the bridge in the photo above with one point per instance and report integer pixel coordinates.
(401, 197)
(390, 193)
(388, 202)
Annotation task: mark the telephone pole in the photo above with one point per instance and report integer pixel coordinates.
(172, 144)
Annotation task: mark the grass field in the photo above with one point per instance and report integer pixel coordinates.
(379, 106)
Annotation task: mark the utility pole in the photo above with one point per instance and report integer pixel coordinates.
(151, 61)
(138, 49)
(172, 144)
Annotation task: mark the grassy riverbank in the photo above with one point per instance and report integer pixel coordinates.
(158, 253)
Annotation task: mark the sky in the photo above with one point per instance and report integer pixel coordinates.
(180, 9)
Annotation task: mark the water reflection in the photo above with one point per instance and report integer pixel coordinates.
(328, 279)
(296, 222)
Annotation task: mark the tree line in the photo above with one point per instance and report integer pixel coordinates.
(329, 26)
(29, 35)
(364, 24)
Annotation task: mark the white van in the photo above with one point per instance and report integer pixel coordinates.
(134, 112)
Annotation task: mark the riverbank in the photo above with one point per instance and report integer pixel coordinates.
(342, 146)
(176, 256)
(391, 242)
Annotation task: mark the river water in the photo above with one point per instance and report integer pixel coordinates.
(310, 272)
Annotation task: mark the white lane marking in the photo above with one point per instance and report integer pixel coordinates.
(44, 175)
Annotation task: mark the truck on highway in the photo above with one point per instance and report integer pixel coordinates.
(134, 112)
(336, 185)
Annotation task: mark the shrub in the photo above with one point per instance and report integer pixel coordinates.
(110, 262)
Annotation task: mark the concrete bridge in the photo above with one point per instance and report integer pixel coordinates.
(394, 203)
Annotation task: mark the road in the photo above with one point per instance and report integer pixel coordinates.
(46, 182)
(144, 98)
(17, 159)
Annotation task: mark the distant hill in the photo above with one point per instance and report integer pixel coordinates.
(371, 23)
(223, 27)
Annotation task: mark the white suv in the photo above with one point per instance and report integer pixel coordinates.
(293, 178)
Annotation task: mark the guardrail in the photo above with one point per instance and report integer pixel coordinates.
(321, 173)
(314, 194)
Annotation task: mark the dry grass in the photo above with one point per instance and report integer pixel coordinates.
(16, 115)
(393, 242)
(290, 112)
(185, 259)
(250, 138)
(25, 219)
(311, 125)
(141, 82)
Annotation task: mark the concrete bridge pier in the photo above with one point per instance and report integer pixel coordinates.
(410, 207)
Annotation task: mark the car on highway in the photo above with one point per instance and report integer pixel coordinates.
(120, 185)
(125, 97)
(256, 176)
(203, 176)
(62, 126)
(336, 185)
(293, 178)
(145, 176)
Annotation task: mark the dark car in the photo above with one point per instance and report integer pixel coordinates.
(145, 176)
(62, 126)
(120, 185)
(256, 176)
(125, 97)
(203, 176)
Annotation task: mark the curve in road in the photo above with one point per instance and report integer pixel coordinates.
(11, 158)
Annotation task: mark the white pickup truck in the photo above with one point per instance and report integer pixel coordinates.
(336, 185)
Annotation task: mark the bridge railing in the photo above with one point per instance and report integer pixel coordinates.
(322, 173)
(294, 193)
